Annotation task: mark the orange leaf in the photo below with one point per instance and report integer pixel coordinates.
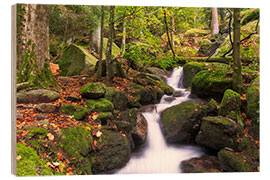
(59, 156)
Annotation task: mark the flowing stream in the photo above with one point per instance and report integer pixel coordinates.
(157, 156)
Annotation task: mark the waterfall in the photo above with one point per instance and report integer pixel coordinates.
(157, 156)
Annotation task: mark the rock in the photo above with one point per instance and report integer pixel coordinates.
(77, 143)
(74, 60)
(192, 68)
(37, 96)
(29, 163)
(93, 90)
(234, 161)
(139, 132)
(211, 108)
(129, 116)
(103, 117)
(78, 112)
(230, 102)
(112, 153)
(46, 108)
(211, 83)
(217, 132)
(99, 105)
(253, 99)
(169, 99)
(117, 97)
(180, 123)
(73, 98)
(202, 164)
(178, 93)
(158, 72)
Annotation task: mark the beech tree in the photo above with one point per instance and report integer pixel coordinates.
(99, 70)
(214, 22)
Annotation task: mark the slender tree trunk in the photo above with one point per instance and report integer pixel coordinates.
(109, 70)
(99, 71)
(215, 25)
(123, 46)
(167, 31)
(172, 30)
(237, 69)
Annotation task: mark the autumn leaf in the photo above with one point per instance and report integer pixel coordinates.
(59, 156)
(99, 133)
(19, 158)
(50, 136)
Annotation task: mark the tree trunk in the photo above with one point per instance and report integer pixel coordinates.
(172, 30)
(214, 23)
(99, 71)
(167, 31)
(123, 46)
(109, 70)
(237, 69)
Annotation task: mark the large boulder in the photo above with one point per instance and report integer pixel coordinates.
(93, 90)
(253, 99)
(75, 59)
(77, 143)
(78, 112)
(204, 164)
(180, 123)
(231, 101)
(158, 72)
(117, 97)
(139, 132)
(218, 132)
(46, 107)
(100, 105)
(37, 96)
(235, 161)
(112, 153)
(29, 164)
(192, 68)
(211, 83)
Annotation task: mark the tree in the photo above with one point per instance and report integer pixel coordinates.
(214, 22)
(99, 71)
(109, 70)
(237, 69)
(167, 32)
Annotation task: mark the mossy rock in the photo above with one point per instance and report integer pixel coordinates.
(100, 105)
(180, 123)
(250, 15)
(30, 164)
(78, 112)
(211, 83)
(196, 32)
(115, 48)
(93, 90)
(46, 108)
(217, 132)
(211, 108)
(158, 72)
(77, 143)
(253, 99)
(37, 96)
(117, 97)
(113, 153)
(74, 60)
(231, 101)
(234, 162)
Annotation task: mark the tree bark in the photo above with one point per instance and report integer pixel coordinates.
(109, 70)
(167, 31)
(237, 69)
(99, 71)
(215, 25)
(123, 46)
(172, 30)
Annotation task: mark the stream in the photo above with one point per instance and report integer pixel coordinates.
(156, 156)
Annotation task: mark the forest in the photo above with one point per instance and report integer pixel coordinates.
(136, 89)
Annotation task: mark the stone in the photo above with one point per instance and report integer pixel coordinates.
(231, 101)
(73, 98)
(139, 132)
(37, 96)
(78, 112)
(46, 108)
(217, 132)
(180, 123)
(158, 72)
(204, 164)
(99, 105)
(178, 93)
(117, 97)
(253, 99)
(93, 90)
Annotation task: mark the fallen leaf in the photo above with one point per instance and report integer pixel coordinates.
(56, 163)
(50, 136)
(19, 158)
(99, 133)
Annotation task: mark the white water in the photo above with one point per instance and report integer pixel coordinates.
(157, 156)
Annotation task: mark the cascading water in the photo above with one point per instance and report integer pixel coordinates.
(157, 156)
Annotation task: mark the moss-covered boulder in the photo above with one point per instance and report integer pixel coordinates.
(117, 97)
(180, 123)
(234, 161)
(93, 90)
(211, 108)
(29, 164)
(192, 68)
(74, 60)
(46, 108)
(231, 101)
(158, 72)
(218, 132)
(249, 15)
(204, 164)
(99, 105)
(78, 112)
(77, 143)
(139, 132)
(196, 32)
(112, 153)
(37, 96)
(253, 99)
(211, 83)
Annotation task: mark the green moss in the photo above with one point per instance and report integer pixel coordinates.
(253, 99)
(77, 143)
(249, 15)
(115, 48)
(230, 102)
(30, 164)
(93, 90)
(100, 105)
(196, 32)
(117, 97)
(78, 112)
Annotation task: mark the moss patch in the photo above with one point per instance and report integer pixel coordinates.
(100, 105)
(78, 112)
(230, 102)
(93, 90)
(253, 99)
